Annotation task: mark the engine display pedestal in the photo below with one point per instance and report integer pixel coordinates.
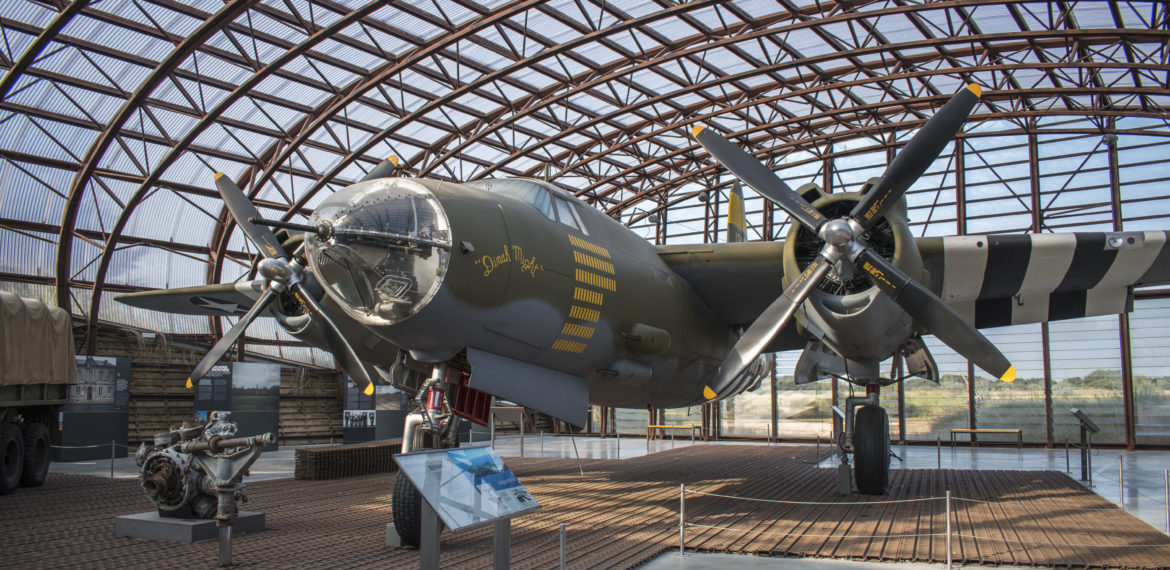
(150, 526)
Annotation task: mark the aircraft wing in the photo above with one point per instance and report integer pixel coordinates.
(220, 300)
(1004, 280)
(736, 280)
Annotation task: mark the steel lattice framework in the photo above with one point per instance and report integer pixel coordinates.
(115, 114)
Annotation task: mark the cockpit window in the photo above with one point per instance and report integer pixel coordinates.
(528, 191)
(566, 214)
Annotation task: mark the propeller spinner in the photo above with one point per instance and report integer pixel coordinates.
(281, 275)
(842, 239)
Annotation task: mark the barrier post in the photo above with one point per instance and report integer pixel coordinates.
(521, 435)
(113, 452)
(948, 529)
(1166, 473)
(563, 549)
(682, 509)
(619, 443)
(938, 447)
(1067, 465)
(1121, 480)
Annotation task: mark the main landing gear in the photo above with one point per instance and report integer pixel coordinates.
(432, 425)
(867, 435)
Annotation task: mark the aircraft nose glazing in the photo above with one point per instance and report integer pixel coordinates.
(387, 250)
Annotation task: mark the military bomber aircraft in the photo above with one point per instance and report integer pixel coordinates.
(512, 288)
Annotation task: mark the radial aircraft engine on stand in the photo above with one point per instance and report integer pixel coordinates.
(197, 470)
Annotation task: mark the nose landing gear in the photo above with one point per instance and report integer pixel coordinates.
(867, 435)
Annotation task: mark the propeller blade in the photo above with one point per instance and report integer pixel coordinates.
(939, 318)
(756, 338)
(338, 345)
(242, 211)
(745, 167)
(383, 170)
(233, 334)
(916, 156)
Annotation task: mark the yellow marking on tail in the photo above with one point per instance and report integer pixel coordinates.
(709, 393)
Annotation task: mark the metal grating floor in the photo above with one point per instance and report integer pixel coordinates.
(620, 514)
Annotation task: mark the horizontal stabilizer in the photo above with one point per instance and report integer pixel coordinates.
(221, 300)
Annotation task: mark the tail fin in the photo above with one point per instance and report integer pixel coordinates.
(735, 216)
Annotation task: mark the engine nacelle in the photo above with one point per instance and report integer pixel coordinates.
(846, 311)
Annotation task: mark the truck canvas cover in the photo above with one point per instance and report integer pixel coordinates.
(36, 343)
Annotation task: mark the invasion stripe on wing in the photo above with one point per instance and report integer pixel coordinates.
(1038, 277)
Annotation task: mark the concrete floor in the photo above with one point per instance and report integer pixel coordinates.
(1144, 489)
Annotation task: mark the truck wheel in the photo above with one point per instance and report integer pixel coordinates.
(36, 455)
(12, 453)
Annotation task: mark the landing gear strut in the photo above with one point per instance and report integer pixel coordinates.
(868, 436)
(431, 426)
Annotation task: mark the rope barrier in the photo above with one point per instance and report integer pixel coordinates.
(102, 445)
(813, 502)
(802, 535)
(683, 524)
(1069, 545)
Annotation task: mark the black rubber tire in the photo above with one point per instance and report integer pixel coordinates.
(36, 455)
(406, 508)
(11, 458)
(871, 450)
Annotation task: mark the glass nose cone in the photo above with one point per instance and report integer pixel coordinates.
(382, 249)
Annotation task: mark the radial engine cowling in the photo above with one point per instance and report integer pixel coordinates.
(846, 311)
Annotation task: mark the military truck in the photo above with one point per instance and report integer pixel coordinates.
(37, 369)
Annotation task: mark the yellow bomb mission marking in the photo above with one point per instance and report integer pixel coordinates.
(515, 254)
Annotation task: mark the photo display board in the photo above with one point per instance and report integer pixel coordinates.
(467, 487)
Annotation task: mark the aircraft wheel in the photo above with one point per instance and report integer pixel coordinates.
(407, 510)
(871, 450)
(11, 458)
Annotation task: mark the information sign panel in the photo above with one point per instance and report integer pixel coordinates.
(467, 487)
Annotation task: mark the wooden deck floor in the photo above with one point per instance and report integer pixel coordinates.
(620, 514)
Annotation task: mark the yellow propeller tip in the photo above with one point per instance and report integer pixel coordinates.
(393, 160)
(708, 393)
(369, 391)
(977, 90)
(1010, 375)
(189, 384)
(218, 175)
(696, 130)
